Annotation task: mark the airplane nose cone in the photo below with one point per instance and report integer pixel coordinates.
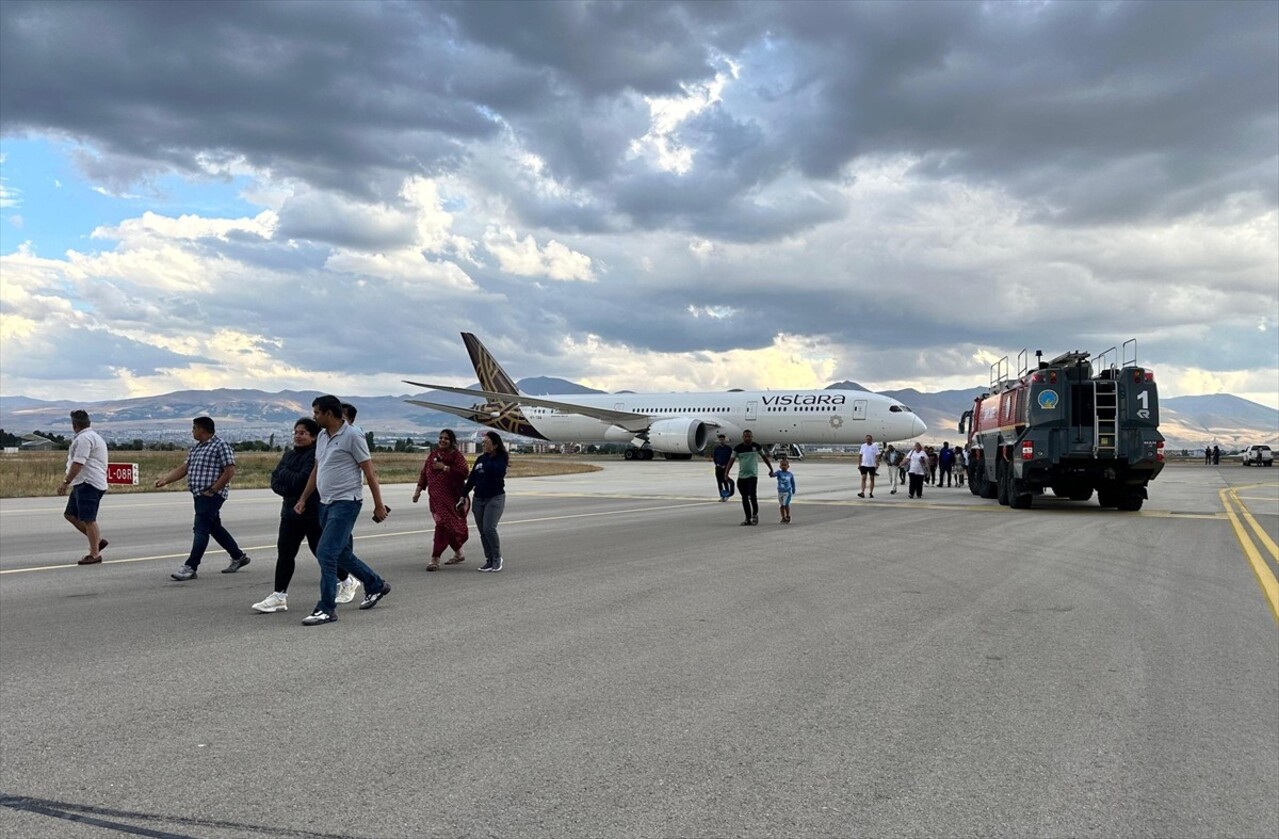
(918, 428)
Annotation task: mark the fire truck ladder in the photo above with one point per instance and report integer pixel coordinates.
(1105, 418)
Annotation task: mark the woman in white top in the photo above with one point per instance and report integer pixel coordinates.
(916, 469)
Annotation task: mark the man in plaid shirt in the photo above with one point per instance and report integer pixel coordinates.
(209, 467)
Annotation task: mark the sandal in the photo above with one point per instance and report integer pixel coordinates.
(454, 560)
(433, 565)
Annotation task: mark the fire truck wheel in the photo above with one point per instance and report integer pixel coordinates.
(1001, 481)
(987, 487)
(1017, 499)
(1108, 498)
(1130, 501)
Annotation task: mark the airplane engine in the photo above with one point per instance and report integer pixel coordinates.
(678, 436)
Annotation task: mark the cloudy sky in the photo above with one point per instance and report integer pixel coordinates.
(645, 196)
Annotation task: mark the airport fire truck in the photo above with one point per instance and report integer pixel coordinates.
(1076, 425)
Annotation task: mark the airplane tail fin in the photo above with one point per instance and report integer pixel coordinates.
(492, 377)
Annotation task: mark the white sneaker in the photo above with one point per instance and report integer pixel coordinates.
(275, 603)
(347, 589)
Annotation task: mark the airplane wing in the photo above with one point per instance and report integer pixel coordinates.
(623, 419)
(465, 413)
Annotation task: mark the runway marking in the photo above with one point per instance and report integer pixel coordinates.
(1265, 576)
(365, 537)
(161, 499)
(903, 503)
(685, 502)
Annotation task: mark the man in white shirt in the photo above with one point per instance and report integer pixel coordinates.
(869, 465)
(342, 464)
(86, 479)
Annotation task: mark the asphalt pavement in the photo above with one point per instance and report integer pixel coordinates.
(646, 666)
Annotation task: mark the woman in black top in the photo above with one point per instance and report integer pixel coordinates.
(488, 479)
(288, 481)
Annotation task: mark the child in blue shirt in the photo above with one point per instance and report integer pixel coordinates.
(785, 487)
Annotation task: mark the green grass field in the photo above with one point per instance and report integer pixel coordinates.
(32, 474)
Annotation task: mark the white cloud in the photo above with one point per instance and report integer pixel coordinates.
(152, 227)
(108, 193)
(9, 196)
(406, 264)
(788, 362)
(523, 258)
(661, 146)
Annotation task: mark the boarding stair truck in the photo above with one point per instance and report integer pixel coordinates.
(1075, 425)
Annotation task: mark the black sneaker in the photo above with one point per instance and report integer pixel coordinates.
(754, 519)
(318, 617)
(371, 600)
(746, 523)
(237, 564)
(186, 572)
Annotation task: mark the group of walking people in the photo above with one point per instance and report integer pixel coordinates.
(909, 467)
(320, 482)
(912, 467)
(341, 463)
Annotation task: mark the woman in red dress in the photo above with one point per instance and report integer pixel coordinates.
(443, 476)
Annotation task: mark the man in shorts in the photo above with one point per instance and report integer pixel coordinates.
(869, 465)
(86, 480)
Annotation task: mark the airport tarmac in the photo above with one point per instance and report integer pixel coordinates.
(645, 666)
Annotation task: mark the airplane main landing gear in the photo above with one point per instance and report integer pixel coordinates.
(634, 453)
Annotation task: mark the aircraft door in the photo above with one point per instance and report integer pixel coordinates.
(859, 409)
(750, 411)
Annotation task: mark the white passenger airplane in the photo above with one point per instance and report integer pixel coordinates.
(677, 424)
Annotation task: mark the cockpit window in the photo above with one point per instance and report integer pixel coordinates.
(897, 409)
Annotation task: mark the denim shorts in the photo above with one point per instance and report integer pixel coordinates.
(83, 502)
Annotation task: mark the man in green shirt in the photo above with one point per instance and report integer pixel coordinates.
(748, 454)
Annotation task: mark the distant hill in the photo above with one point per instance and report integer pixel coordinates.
(1223, 410)
(542, 385)
(1187, 421)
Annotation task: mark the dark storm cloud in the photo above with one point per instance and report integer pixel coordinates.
(330, 92)
(1088, 110)
(1052, 100)
(602, 49)
(1083, 120)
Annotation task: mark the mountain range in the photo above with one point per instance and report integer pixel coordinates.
(1187, 421)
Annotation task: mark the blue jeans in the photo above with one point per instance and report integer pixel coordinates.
(335, 551)
(488, 512)
(208, 522)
